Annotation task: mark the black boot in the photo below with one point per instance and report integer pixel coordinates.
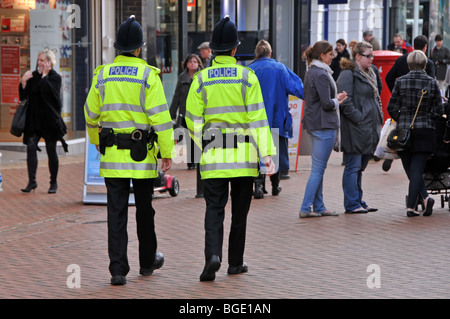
(275, 180)
(53, 188)
(30, 187)
(259, 187)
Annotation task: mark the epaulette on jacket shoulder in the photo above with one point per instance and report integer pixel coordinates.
(347, 64)
(154, 69)
(250, 69)
(97, 70)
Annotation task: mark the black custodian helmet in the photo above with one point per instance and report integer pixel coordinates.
(129, 36)
(225, 36)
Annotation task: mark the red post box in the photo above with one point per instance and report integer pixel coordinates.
(384, 60)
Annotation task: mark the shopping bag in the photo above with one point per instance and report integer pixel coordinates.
(382, 151)
(18, 121)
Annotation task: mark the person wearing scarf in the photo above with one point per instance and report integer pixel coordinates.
(361, 122)
(321, 121)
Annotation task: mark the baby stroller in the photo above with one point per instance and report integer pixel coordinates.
(437, 172)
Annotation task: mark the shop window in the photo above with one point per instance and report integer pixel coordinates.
(29, 27)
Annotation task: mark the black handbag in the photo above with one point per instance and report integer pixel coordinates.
(18, 121)
(400, 138)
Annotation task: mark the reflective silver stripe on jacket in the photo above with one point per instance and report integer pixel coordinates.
(126, 124)
(93, 116)
(227, 166)
(101, 84)
(245, 126)
(144, 83)
(200, 81)
(193, 118)
(234, 109)
(244, 84)
(129, 166)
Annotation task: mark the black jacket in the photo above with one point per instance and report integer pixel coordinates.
(401, 68)
(44, 106)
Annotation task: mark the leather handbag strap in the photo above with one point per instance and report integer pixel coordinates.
(418, 106)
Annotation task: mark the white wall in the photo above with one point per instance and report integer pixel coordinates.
(347, 21)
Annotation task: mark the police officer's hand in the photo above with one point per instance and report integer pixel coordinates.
(166, 164)
(270, 165)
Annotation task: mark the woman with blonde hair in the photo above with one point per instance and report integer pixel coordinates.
(41, 88)
(321, 122)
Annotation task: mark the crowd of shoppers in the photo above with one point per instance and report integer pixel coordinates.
(229, 111)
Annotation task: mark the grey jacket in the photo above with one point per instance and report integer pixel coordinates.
(361, 113)
(320, 102)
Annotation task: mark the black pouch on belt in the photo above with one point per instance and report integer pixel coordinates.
(106, 138)
(138, 149)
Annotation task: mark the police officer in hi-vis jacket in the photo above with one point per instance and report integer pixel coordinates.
(226, 117)
(128, 119)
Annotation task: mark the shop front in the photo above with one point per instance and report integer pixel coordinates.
(31, 26)
(82, 35)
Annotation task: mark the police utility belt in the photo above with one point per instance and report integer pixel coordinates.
(138, 142)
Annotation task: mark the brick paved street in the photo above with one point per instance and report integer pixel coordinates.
(288, 258)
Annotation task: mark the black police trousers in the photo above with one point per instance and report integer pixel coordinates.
(118, 192)
(216, 197)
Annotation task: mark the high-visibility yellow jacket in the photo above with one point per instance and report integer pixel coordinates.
(227, 97)
(128, 95)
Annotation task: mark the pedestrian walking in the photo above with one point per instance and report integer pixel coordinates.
(205, 54)
(441, 58)
(277, 83)
(41, 88)
(401, 68)
(321, 121)
(191, 65)
(404, 107)
(226, 116)
(369, 37)
(127, 102)
(361, 122)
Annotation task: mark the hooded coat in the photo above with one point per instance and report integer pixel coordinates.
(361, 113)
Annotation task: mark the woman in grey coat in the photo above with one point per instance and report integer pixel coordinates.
(361, 122)
(321, 121)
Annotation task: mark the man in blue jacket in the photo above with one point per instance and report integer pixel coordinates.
(277, 83)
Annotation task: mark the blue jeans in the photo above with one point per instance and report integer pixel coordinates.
(322, 143)
(355, 164)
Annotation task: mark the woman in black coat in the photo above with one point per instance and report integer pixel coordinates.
(341, 52)
(43, 120)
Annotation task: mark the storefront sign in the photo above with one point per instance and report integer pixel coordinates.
(295, 108)
(10, 89)
(10, 59)
(45, 34)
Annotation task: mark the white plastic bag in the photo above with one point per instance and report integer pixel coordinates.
(382, 151)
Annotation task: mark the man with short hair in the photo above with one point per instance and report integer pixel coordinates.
(368, 37)
(205, 54)
(277, 83)
(441, 58)
(400, 45)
